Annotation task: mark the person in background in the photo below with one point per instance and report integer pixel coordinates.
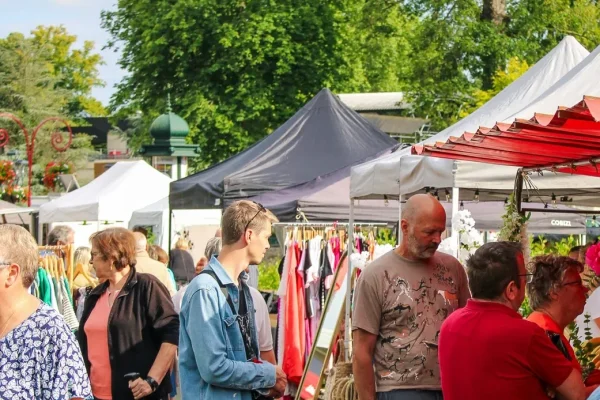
(61, 235)
(83, 285)
(182, 263)
(400, 302)
(159, 254)
(146, 265)
(574, 253)
(228, 365)
(128, 324)
(213, 247)
(82, 257)
(557, 296)
(488, 351)
(140, 229)
(39, 356)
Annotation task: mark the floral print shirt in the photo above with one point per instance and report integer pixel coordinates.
(40, 359)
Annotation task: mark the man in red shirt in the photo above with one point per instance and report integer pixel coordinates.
(487, 351)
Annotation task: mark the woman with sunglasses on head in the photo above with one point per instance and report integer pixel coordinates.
(129, 331)
(557, 296)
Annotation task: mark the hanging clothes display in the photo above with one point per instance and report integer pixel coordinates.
(53, 282)
(312, 255)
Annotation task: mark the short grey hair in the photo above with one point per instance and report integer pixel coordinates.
(17, 246)
(141, 242)
(213, 247)
(83, 255)
(548, 275)
(59, 233)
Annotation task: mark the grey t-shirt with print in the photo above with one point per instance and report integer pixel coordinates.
(404, 302)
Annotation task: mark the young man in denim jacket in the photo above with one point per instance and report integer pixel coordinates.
(218, 341)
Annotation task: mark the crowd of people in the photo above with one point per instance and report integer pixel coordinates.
(424, 327)
(145, 317)
(432, 332)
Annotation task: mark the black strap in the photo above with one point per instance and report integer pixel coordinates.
(223, 288)
(250, 351)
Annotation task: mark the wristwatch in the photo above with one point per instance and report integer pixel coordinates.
(153, 384)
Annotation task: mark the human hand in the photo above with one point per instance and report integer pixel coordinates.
(140, 388)
(280, 383)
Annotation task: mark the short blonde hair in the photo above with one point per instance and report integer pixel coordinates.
(182, 243)
(242, 215)
(17, 246)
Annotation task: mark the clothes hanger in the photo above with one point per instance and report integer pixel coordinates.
(79, 270)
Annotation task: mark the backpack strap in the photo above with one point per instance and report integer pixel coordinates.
(223, 288)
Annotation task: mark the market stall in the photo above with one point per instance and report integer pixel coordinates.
(322, 137)
(113, 196)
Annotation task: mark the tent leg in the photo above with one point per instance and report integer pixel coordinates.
(170, 227)
(455, 233)
(348, 328)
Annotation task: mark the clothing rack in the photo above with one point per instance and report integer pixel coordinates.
(66, 252)
(327, 224)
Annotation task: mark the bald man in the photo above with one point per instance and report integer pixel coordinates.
(401, 300)
(146, 265)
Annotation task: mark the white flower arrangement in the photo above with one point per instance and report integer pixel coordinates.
(469, 238)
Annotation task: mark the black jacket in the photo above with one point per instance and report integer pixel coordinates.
(182, 265)
(140, 320)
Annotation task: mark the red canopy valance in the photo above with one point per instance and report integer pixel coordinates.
(568, 141)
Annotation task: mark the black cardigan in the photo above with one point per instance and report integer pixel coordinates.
(140, 320)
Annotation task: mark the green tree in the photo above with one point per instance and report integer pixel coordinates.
(237, 70)
(32, 89)
(76, 70)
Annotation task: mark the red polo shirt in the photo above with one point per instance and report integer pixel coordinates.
(487, 351)
(547, 324)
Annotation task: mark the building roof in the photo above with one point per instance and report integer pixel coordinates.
(374, 101)
(395, 125)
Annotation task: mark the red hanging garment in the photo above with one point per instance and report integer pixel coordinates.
(293, 355)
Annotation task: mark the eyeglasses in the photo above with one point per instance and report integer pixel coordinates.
(260, 209)
(528, 277)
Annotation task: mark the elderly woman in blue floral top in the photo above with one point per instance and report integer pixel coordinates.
(39, 356)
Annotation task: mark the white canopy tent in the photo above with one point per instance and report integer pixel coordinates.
(157, 216)
(113, 196)
(402, 173)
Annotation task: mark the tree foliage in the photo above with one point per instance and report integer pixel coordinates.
(237, 69)
(43, 76)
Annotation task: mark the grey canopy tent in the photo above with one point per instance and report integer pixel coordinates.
(322, 137)
(327, 198)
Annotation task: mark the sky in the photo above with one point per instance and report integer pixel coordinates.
(80, 17)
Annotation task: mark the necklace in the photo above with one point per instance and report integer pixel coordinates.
(9, 318)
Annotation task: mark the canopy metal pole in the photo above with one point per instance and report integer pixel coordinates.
(170, 226)
(348, 328)
(455, 233)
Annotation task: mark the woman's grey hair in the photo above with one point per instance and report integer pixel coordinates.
(83, 255)
(213, 247)
(548, 275)
(17, 246)
(59, 233)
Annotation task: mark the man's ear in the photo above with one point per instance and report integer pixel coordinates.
(248, 236)
(511, 291)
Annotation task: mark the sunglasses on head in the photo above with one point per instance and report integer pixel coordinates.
(261, 208)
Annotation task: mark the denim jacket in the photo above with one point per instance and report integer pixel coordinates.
(212, 358)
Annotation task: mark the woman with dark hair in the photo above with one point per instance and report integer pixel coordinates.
(129, 330)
